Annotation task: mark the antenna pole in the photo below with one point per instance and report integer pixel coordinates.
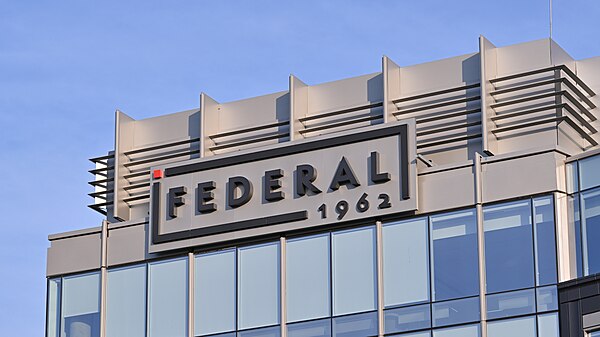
(550, 19)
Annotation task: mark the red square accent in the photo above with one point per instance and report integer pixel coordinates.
(157, 174)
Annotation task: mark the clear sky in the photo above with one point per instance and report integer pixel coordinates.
(65, 66)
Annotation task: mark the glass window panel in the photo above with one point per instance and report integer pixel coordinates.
(214, 292)
(319, 328)
(460, 331)
(360, 325)
(53, 308)
(547, 299)
(274, 331)
(588, 172)
(456, 312)
(590, 206)
(574, 217)
(81, 306)
(572, 178)
(548, 325)
(354, 268)
(407, 319)
(454, 255)
(227, 334)
(406, 262)
(508, 246)
(126, 302)
(511, 304)
(258, 285)
(516, 327)
(307, 278)
(595, 333)
(416, 334)
(167, 298)
(545, 240)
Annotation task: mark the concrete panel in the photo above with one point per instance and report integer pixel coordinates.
(446, 190)
(74, 254)
(167, 128)
(126, 244)
(391, 85)
(345, 93)
(520, 177)
(487, 52)
(560, 56)
(442, 74)
(523, 57)
(209, 120)
(298, 106)
(254, 111)
(124, 141)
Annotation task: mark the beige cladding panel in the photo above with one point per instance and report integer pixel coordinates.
(127, 245)
(446, 190)
(74, 254)
(520, 177)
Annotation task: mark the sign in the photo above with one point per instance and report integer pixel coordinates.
(289, 186)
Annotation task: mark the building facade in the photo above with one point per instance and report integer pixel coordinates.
(459, 197)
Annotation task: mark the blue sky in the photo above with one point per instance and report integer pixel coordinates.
(65, 66)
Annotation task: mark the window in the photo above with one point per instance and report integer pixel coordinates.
(590, 210)
(53, 308)
(456, 312)
(318, 328)
(214, 292)
(354, 271)
(406, 262)
(512, 303)
(167, 298)
(545, 241)
(126, 302)
(588, 172)
(508, 246)
(258, 286)
(574, 214)
(407, 318)
(81, 306)
(307, 278)
(517, 327)
(454, 255)
(548, 325)
(359, 325)
(460, 331)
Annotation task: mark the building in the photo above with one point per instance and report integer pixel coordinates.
(458, 197)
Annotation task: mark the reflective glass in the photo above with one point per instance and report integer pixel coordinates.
(214, 292)
(274, 331)
(595, 333)
(81, 306)
(508, 246)
(406, 262)
(454, 255)
(360, 325)
(588, 172)
(456, 311)
(53, 308)
(459, 331)
(319, 328)
(590, 207)
(545, 241)
(548, 325)
(574, 217)
(516, 327)
(572, 178)
(407, 319)
(167, 298)
(354, 271)
(511, 304)
(307, 278)
(547, 299)
(258, 285)
(416, 334)
(126, 302)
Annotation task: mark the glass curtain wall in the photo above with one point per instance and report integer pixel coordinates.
(584, 213)
(126, 302)
(80, 309)
(167, 298)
